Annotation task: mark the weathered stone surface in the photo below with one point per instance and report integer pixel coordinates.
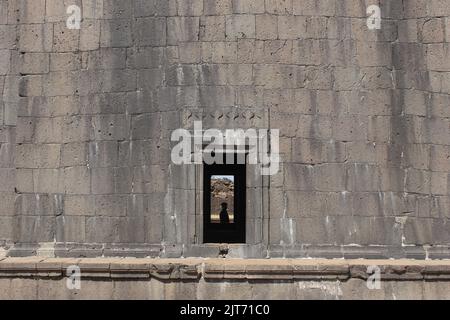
(166, 279)
(86, 117)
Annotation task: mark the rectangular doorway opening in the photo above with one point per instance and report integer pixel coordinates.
(224, 202)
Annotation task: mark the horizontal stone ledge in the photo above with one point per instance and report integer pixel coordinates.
(192, 269)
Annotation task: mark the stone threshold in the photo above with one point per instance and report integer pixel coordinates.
(194, 269)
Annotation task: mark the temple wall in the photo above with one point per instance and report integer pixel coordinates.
(86, 117)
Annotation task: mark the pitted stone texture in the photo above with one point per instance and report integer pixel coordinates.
(86, 117)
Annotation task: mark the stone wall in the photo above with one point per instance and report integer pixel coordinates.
(364, 118)
(9, 84)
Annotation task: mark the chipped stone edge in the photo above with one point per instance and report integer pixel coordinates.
(225, 269)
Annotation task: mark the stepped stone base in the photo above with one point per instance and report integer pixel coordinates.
(124, 278)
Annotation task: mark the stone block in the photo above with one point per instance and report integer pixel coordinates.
(436, 131)
(363, 152)
(70, 229)
(31, 13)
(48, 180)
(24, 180)
(102, 229)
(405, 55)
(4, 12)
(245, 50)
(315, 8)
(363, 177)
(7, 155)
(56, 11)
(110, 127)
(376, 78)
(149, 179)
(437, 55)
(439, 158)
(8, 35)
(102, 181)
(329, 177)
(266, 27)
(77, 180)
(5, 58)
(318, 78)
(219, 52)
(64, 39)
(351, 8)
(74, 154)
(90, 35)
(145, 126)
(408, 30)
(217, 7)
(240, 26)
(153, 230)
(116, 9)
(393, 10)
(8, 200)
(103, 154)
(439, 103)
(110, 205)
(103, 290)
(280, 7)
(438, 8)
(77, 129)
(373, 54)
(310, 151)
(190, 8)
(299, 177)
(158, 37)
(433, 31)
(349, 128)
(30, 86)
(132, 230)
(274, 76)
(182, 29)
(418, 231)
(63, 62)
(307, 52)
(274, 52)
(48, 130)
(92, 9)
(379, 129)
(60, 83)
(146, 57)
(248, 6)
(291, 27)
(38, 156)
(144, 152)
(79, 205)
(118, 33)
(417, 156)
(212, 28)
(107, 58)
(440, 183)
(418, 181)
(22, 289)
(190, 52)
(34, 229)
(146, 8)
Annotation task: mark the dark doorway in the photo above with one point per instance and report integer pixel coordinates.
(224, 203)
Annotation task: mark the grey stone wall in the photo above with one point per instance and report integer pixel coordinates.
(9, 83)
(364, 118)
